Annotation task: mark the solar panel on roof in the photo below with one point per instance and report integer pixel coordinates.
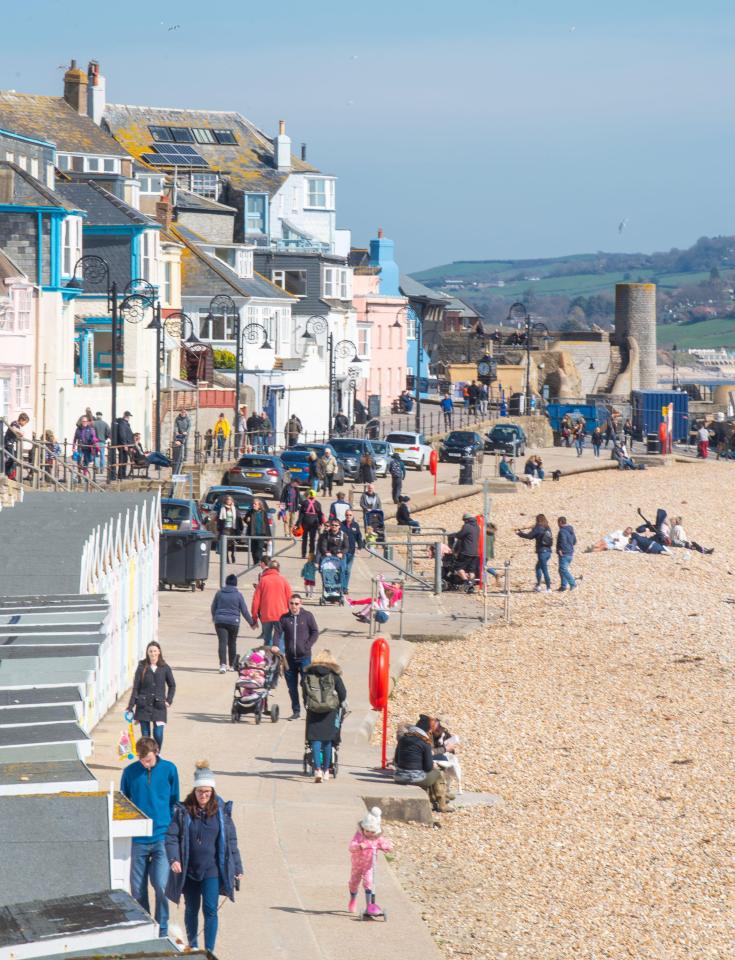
(155, 160)
(187, 151)
(170, 155)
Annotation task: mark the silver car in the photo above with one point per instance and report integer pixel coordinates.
(383, 452)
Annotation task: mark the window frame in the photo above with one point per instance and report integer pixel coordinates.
(363, 341)
(157, 138)
(200, 134)
(229, 137)
(278, 277)
(182, 134)
(71, 243)
(210, 192)
(149, 256)
(247, 215)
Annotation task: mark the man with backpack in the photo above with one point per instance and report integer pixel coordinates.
(299, 633)
(324, 697)
(397, 471)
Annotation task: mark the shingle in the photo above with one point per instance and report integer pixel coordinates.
(52, 119)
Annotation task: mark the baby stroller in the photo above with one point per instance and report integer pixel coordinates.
(331, 571)
(452, 581)
(375, 526)
(334, 765)
(257, 677)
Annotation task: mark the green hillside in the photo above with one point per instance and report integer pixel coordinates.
(715, 333)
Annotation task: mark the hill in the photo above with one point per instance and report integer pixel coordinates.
(715, 333)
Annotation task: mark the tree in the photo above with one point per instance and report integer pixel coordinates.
(714, 274)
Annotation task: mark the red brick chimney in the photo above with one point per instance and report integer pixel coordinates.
(164, 212)
(75, 88)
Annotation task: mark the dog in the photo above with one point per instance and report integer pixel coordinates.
(556, 475)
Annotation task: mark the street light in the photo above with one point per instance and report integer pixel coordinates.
(251, 331)
(674, 378)
(518, 312)
(223, 302)
(340, 350)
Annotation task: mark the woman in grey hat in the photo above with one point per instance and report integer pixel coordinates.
(201, 846)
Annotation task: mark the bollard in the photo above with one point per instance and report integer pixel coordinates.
(222, 559)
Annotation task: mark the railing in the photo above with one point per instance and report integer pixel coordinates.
(43, 465)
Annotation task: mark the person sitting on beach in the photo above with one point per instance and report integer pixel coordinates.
(403, 515)
(445, 755)
(506, 470)
(620, 454)
(680, 539)
(414, 763)
(534, 467)
(617, 540)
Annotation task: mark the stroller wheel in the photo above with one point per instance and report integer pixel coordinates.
(258, 715)
(274, 711)
(335, 767)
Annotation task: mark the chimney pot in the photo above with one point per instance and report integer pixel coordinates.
(281, 127)
(164, 212)
(303, 152)
(75, 92)
(380, 233)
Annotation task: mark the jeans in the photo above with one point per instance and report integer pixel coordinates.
(596, 449)
(348, 560)
(565, 572)
(100, 458)
(314, 484)
(145, 731)
(272, 636)
(542, 568)
(295, 667)
(204, 893)
(221, 446)
(148, 861)
(447, 420)
(579, 444)
(395, 484)
(321, 750)
(227, 647)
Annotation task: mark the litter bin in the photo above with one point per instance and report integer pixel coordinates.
(653, 444)
(466, 470)
(183, 559)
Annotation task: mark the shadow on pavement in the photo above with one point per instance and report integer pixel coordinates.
(209, 717)
(314, 913)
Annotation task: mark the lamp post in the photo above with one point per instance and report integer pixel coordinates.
(518, 312)
(223, 302)
(340, 350)
(674, 378)
(419, 354)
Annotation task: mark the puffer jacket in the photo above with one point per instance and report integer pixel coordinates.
(414, 756)
(228, 606)
(467, 541)
(229, 862)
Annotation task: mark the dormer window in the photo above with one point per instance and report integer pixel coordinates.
(319, 193)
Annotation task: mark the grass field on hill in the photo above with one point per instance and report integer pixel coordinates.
(718, 332)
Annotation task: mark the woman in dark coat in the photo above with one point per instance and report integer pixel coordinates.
(323, 686)
(229, 524)
(541, 533)
(153, 692)
(202, 851)
(257, 526)
(367, 469)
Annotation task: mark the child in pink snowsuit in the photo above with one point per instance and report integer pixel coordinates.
(363, 847)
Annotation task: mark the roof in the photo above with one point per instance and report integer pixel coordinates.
(52, 119)
(102, 207)
(53, 842)
(192, 201)
(9, 269)
(19, 188)
(203, 275)
(456, 305)
(417, 291)
(32, 776)
(248, 164)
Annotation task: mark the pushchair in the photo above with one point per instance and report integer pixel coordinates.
(452, 580)
(331, 571)
(257, 678)
(334, 765)
(375, 526)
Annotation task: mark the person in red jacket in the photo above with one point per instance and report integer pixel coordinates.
(270, 602)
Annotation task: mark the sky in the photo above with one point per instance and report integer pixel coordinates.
(468, 130)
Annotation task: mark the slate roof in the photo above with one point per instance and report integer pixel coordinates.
(32, 776)
(71, 852)
(19, 188)
(248, 164)
(9, 269)
(203, 275)
(455, 305)
(52, 119)
(103, 208)
(417, 291)
(192, 201)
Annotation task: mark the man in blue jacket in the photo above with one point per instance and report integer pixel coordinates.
(565, 542)
(152, 784)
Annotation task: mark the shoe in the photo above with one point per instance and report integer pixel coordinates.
(223, 668)
(295, 716)
(352, 905)
(538, 588)
(562, 590)
(318, 776)
(326, 775)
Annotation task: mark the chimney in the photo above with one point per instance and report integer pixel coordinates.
(75, 94)
(95, 92)
(282, 153)
(303, 152)
(164, 212)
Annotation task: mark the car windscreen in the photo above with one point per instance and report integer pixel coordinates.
(175, 512)
(459, 436)
(258, 462)
(347, 446)
(504, 432)
(318, 448)
(401, 438)
(380, 447)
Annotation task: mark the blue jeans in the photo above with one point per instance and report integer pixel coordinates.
(272, 636)
(314, 484)
(145, 729)
(321, 750)
(202, 893)
(542, 568)
(100, 458)
(295, 667)
(596, 449)
(148, 861)
(347, 561)
(579, 444)
(565, 573)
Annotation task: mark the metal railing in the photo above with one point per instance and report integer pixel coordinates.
(43, 464)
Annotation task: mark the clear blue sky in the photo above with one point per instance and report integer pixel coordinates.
(463, 130)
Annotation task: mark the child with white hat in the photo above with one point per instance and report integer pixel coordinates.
(363, 849)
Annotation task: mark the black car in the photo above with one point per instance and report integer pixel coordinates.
(460, 443)
(261, 472)
(211, 502)
(348, 451)
(506, 438)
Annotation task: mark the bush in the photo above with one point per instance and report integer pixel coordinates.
(224, 359)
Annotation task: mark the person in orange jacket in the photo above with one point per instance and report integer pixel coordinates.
(270, 602)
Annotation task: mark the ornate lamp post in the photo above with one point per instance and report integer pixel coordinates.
(518, 311)
(340, 350)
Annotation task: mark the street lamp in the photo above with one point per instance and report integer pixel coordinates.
(251, 332)
(223, 302)
(340, 350)
(674, 378)
(518, 312)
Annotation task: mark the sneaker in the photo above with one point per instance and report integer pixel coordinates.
(223, 668)
(318, 776)
(352, 905)
(562, 589)
(326, 775)
(538, 588)
(295, 716)
(546, 590)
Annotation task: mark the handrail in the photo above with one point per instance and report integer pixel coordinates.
(37, 451)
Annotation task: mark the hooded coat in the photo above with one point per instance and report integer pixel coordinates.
(153, 691)
(229, 862)
(467, 541)
(325, 726)
(414, 756)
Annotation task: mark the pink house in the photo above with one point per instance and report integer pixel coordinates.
(381, 334)
(17, 342)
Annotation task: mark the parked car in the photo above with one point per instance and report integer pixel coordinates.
(181, 515)
(460, 443)
(506, 438)
(382, 452)
(297, 464)
(261, 472)
(348, 451)
(411, 448)
(319, 448)
(211, 502)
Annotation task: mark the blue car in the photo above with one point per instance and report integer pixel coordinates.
(297, 464)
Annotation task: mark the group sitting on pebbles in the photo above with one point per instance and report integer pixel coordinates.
(664, 535)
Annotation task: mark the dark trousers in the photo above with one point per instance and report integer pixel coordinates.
(204, 894)
(295, 667)
(227, 636)
(122, 460)
(156, 733)
(310, 536)
(396, 484)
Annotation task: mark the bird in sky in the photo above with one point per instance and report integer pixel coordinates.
(623, 224)
(176, 26)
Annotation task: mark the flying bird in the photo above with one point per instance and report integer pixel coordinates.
(623, 224)
(176, 26)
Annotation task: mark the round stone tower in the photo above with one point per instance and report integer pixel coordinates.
(635, 316)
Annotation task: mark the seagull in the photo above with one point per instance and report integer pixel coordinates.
(572, 29)
(623, 224)
(176, 26)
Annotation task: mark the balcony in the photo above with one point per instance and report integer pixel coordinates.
(299, 245)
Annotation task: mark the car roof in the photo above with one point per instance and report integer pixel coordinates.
(185, 501)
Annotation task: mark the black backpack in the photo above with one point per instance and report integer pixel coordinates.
(547, 539)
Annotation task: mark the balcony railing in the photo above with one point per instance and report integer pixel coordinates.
(300, 245)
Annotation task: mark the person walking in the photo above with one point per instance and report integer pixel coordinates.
(366, 471)
(227, 608)
(541, 533)
(609, 433)
(579, 437)
(703, 441)
(221, 434)
(230, 525)
(299, 633)
(355, 541)
(153, 692)
(314, 468)
(102, 430)
(258, 529)
(13, 446)
(270, 602)
(266, 429)
(327, 470)
(241, 428)
(152, 784)
(364, 846)
(124, 443)
(201, 847)
(628, 435)
(182, 426)
(332, 540)
(324, 694)
(565, 543)
(596, 440)
(289, 504)
(253, 425)
(339, 507)
(369, 500)
(310, 519)
(85, 444)
(397, 471)
(293, 430)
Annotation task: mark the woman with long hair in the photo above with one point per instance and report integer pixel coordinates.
(258, 529)
(153, 693)
(201, 847)
(541, 533)
(229, 524)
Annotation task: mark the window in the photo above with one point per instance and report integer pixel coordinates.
(254, 213)
(71, 242)
(161, 134)
(225, 136)
(202, 135)
(34, 167)
(50, 179)
(292, 281)
(411, 324)
(63, 161)
(149, 256)
(205, 185)
(317, 193)
(23, 162)
(337, 283)
(216, 326)
(168, 273)
(22, 386)
(363, 341)
(109, 165)
(9, 157)
(244, 264)
(92, 164)
(151, 185)
(181, 134)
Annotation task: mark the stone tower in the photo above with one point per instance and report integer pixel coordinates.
(635, 319)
